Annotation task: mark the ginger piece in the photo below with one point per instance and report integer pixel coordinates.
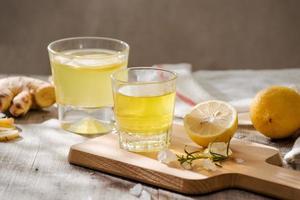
(20, 94)
(21, 103)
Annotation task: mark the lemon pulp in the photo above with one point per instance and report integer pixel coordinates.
(211, 121)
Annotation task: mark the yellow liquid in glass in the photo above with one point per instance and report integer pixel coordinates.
(82, 77)
(143, 115)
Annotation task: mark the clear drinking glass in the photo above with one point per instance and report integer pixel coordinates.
(81, 69)
(144, 99)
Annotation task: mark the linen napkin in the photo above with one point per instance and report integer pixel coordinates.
(189, 93)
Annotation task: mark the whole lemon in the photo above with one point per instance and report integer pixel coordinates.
(275, 111)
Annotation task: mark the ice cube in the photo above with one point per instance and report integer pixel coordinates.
(166, 156)
(145, 195)
(136, 190)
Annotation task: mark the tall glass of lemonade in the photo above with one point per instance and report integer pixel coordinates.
(144, 101)
(81, 69)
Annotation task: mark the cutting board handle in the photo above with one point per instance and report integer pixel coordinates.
(273, 180)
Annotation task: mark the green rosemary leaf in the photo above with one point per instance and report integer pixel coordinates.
(189, 157)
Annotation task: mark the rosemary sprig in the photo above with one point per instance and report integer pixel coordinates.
(189, 157)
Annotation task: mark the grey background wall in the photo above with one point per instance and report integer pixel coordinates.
(210, 34)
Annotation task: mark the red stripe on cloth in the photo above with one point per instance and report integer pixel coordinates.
(159, 65)
(179, 95)
(185, 99)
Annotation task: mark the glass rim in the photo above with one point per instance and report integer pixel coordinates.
(51, 50)
(174, 75)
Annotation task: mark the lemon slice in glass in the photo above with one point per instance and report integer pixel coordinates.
(211, 121)
(87, 126)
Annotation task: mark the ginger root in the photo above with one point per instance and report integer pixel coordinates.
(19, 94)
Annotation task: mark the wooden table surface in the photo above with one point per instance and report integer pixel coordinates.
(36, 167)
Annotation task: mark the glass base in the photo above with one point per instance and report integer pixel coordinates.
(144, 143)
(86, 121)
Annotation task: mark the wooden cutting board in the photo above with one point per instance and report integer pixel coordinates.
(260, 172)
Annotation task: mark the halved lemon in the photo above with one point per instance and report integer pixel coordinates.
(211, 121)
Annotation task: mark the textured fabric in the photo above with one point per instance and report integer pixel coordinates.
(241, 84)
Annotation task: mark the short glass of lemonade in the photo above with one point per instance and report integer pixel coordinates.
(144, 99)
